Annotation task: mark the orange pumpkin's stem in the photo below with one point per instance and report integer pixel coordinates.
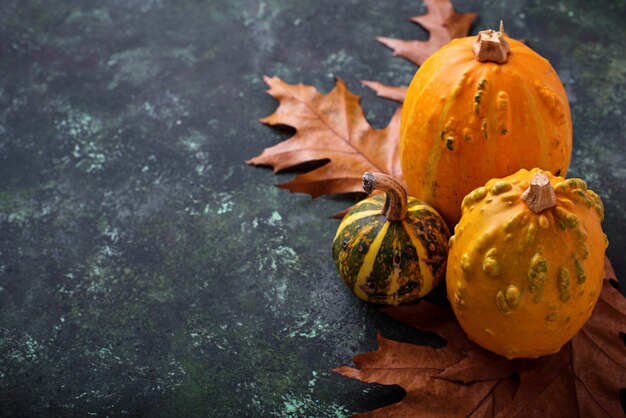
(396, 202)
(490, 45)
(540, 194)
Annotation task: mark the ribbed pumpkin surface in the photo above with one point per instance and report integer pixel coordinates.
(391, 262)
(465, 122)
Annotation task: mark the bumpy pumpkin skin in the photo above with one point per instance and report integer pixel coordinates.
(465, 122)
(522, 284)
(391, 262)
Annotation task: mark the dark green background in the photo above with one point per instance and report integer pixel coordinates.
(145, 269)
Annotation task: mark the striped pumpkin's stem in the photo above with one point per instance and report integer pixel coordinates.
(395, 208)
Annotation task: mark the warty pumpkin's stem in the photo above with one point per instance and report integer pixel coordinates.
(540, 194)
(491, 45)
(396, 202)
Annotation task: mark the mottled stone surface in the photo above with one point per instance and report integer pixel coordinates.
(145, 269)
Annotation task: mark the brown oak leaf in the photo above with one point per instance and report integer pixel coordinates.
(386, 91)
(329, 127)
(442, 22)
(463, 379)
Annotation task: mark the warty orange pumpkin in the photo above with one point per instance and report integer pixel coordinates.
(526, 262)
(480, 108)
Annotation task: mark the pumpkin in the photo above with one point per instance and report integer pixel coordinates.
(481, 108)
(526, 262)
(390, 249)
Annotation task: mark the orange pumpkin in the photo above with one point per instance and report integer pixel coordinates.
(481, 108)
(526, 262)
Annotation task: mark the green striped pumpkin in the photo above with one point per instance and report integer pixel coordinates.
(391, 249)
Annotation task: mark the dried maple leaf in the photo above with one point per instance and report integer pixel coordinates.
(328, 127)
(442, 22)
(462, 379)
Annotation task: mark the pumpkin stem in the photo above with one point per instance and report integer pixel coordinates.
(540, 194)
(490, 45)
(396, 201)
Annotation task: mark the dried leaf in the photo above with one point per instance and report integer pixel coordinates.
(583, 379)
(332, 129)
(415, 368)
(328, 127)
(385, 91)
(442, 22)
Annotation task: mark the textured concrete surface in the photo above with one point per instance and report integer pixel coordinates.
(145, 269)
